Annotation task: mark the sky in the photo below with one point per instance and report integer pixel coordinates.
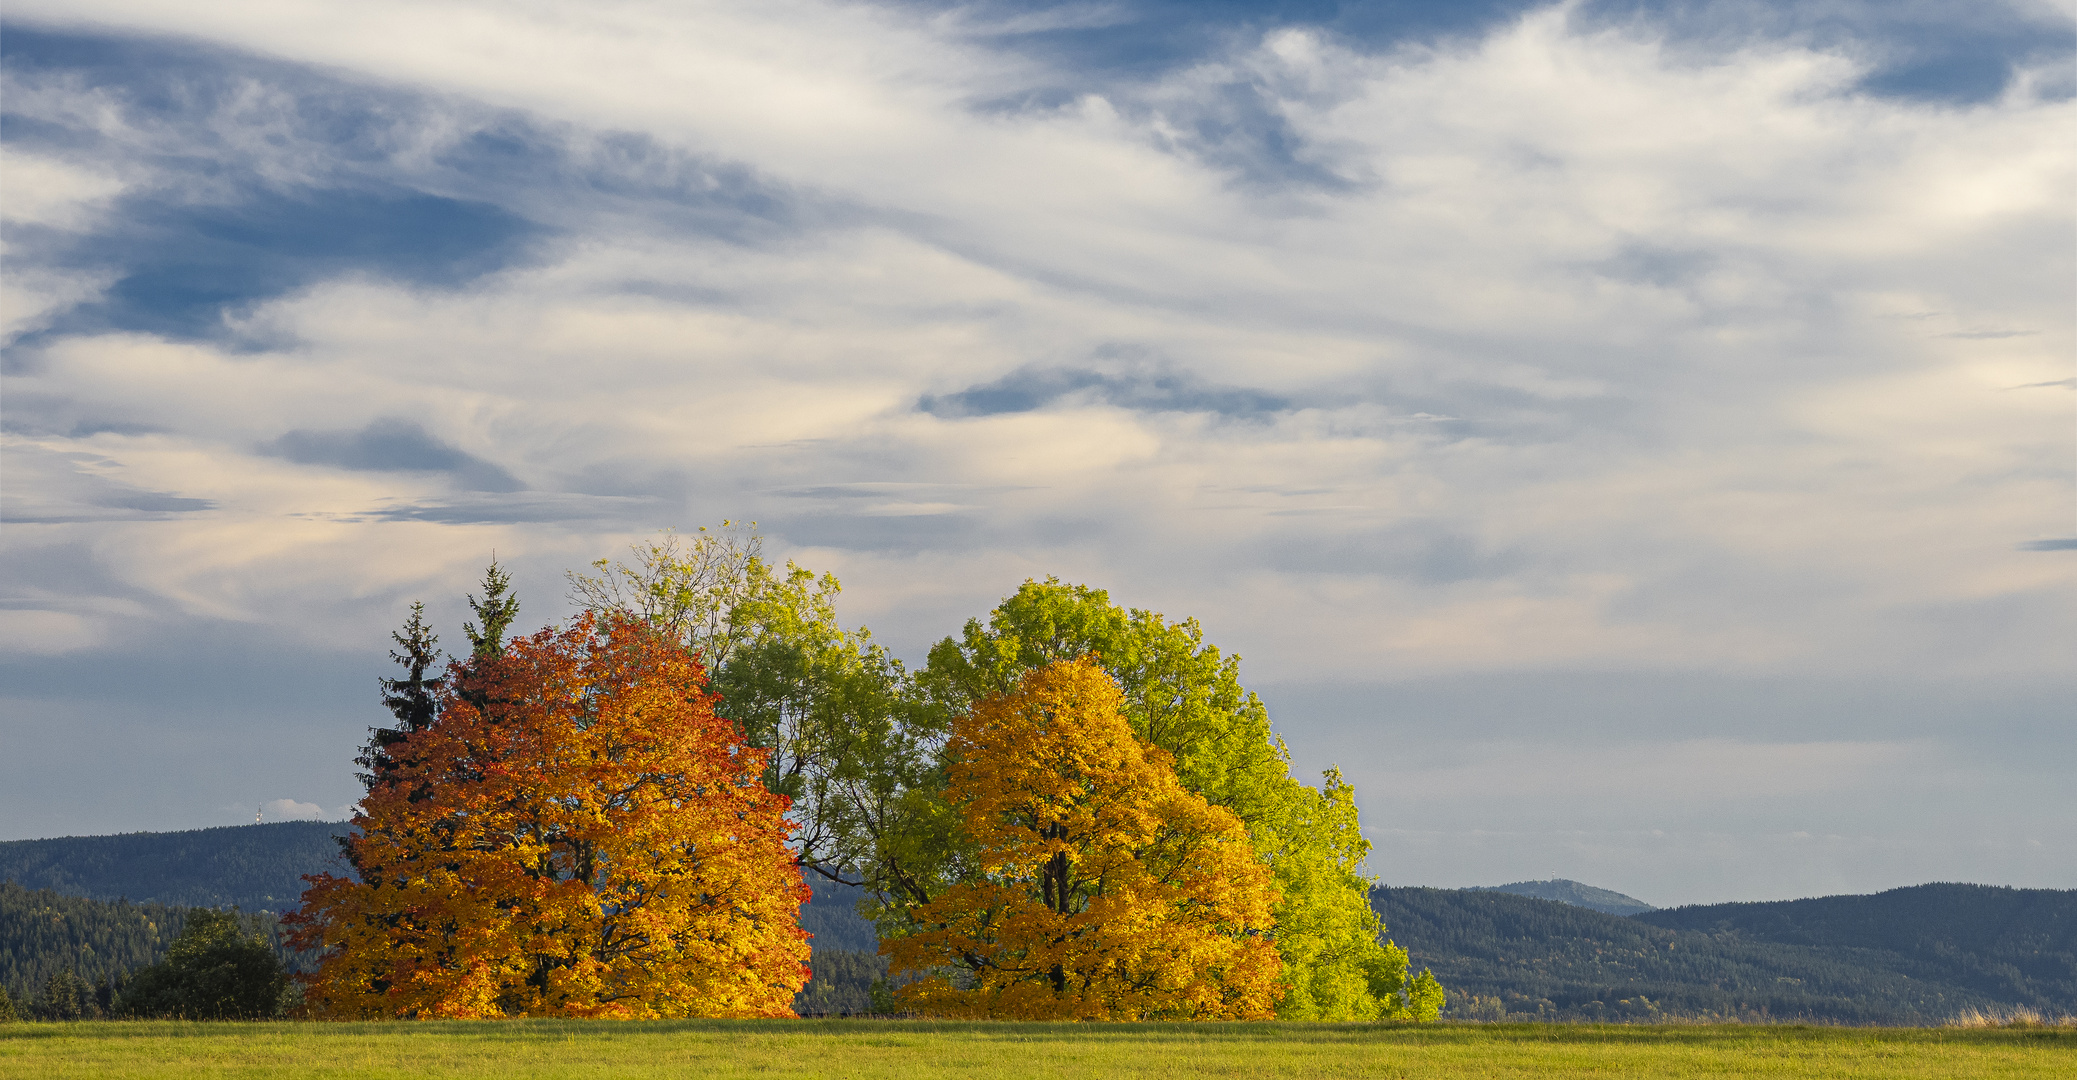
(1636, 441)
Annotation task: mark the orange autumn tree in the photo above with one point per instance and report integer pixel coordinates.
(576, 834)
(1104, 889)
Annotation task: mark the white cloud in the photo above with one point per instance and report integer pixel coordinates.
(46, 191)
(291, 810)
(1600, 354)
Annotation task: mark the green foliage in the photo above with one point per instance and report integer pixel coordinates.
(254, 867)
(1424, 999)
(65, 997)
(2018, 946)
(497, 609)
(7, 1012)
(856, 741)
(90, 947)
(1181, 693)
(1184, 696)
(411, 700)
(46, 937)
(217, 969)
(825, 701)
(828, 703)
(840, 983)
(1542, 960)
(688, 588)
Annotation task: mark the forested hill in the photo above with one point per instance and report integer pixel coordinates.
(1525, 958)
(255, 867)
(2017, 945)
(1574, 893)
(42, 933)
(261, 868)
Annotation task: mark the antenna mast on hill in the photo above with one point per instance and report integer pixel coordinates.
(256, 815)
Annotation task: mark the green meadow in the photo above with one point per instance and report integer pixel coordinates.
(508, 1050)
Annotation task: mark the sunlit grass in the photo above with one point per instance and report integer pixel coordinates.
(879, 1048)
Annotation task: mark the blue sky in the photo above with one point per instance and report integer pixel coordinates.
(1634, 440)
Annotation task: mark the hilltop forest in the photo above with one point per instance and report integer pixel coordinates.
(1918, 955)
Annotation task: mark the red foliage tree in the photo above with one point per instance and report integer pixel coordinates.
(577, 834)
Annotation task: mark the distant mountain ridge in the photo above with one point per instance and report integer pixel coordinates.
(261, 868)
(254, 867)
(2014, 945)
(1572, 892)
(1919, 955)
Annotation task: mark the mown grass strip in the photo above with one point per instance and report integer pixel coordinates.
(834, 1049)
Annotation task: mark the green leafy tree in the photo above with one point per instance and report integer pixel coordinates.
(1183, 695)
(826, 702)
(215, 970)
(7, 1013)
(688, 588)
(857, 742)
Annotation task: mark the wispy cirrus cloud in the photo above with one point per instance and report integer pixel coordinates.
(1398, 343)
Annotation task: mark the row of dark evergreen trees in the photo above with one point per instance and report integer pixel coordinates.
(75, 959)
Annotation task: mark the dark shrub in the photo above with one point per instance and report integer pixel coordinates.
(214, 970)
(65, 996)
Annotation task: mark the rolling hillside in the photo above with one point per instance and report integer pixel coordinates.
(43, 933)
(1525, 958)
(1574, 893)
(1908, 956)
(254, 867)
(2014, 945)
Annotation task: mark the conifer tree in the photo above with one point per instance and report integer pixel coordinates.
(496, 609)
(411, 699)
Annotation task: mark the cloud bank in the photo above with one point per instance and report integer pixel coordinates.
(1721, 353)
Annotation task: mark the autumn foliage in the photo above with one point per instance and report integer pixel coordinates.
(1101, 888)
(577, 834)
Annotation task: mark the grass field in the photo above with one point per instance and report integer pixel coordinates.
(877, 1048)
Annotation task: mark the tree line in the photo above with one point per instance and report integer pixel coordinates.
(252, 867)
(1909, 956)
(1070, 810)
(69, 958)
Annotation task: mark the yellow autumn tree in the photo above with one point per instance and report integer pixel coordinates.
(1102, 888)
(576, 834)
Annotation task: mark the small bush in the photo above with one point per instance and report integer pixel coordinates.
(215, 970)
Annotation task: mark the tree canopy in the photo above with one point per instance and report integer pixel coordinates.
(578, 834)
(1100, 889)
(1181, 694)
(830, 706)
(867, 762)
(217, 969)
